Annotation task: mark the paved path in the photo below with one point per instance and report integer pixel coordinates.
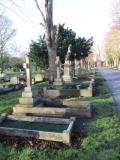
(113, 80)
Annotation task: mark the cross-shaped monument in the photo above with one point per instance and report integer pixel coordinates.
(67, 67)
(27, 100)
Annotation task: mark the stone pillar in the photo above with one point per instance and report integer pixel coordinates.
(67, 72)
(77, 73)
(58, 81)
(27, 67)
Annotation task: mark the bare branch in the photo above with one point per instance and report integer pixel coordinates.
(40, 11)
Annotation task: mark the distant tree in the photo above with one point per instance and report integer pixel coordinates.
(112, 46)
(112, 40)
(38, 52)
(66, 36)
(6, 34)
(116, 14)
(82, 47)
(16, 63)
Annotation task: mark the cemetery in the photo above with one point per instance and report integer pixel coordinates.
(29, 102)
(52, 114)
(59, 98)
(32, 104)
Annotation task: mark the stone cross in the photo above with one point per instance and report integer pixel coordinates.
(57, 62)
(27, 67)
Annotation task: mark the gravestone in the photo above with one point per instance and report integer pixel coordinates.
(27, 99)
(67, 67)
(14, 80)
(58, 81)
(77, 67)
(39, 77)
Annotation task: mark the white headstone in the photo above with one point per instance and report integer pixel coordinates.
(14, 80)
(58, 80)
(39, 77)
(67, 72)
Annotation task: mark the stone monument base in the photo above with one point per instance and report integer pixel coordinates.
(58, 82)
(67, 79)
(27, 99)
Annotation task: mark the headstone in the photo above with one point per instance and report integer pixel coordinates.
(58, 81)
(2, 74)
(14, 80)
(67, 77)
(39, 77)
(77, 67)
(22, 78)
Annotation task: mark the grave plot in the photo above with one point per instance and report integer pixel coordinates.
(73, 90)
(52, 129)
(62, 109)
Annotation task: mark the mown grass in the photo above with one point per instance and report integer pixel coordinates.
(101, 141)
(7, 101)
(12, 73)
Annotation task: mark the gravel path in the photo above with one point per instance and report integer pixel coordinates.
(113, 80)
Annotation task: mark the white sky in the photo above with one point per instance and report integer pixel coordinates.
(86, 17)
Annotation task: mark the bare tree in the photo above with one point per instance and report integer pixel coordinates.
(6, 33)
(112, 46)
(51, 34)
(116, 13)
(112, 40)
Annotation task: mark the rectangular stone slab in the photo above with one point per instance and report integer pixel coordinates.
(76, 103)
(54, 111)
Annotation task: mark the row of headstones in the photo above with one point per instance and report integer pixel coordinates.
(70, 70)
(28, 96)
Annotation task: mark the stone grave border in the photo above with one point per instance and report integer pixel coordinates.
(83, 92)
(67, 111)
(64, 137)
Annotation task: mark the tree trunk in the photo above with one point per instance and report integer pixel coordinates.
(1, 60)
(52, 57)
(51, 35)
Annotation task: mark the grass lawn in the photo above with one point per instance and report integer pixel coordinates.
(7, 101)
(101, 134)
(12, 73)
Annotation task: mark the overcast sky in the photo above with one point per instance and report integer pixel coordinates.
(86, 17)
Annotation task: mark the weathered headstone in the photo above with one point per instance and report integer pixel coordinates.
(77, 67)
(67, 67)
(39, 77)
(58, 81)
(14, 80)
